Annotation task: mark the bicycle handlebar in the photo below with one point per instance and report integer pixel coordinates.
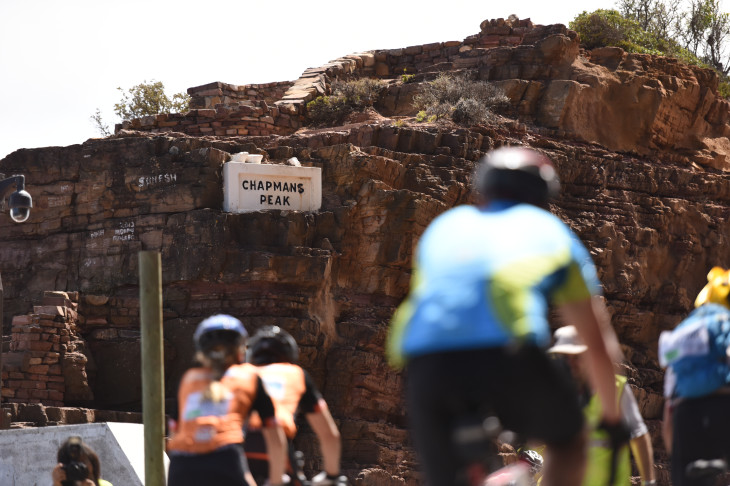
(705, 468)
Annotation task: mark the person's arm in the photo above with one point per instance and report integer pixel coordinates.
(276, 446)
(640, 441)
(667, 425)
(590, 318)
(643, 453)
(318, 415)
(58, 474)
(324, 426)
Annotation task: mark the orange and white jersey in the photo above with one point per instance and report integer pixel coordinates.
(285, 383)
(205, 425)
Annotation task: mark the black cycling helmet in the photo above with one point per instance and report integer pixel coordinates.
(518, 174)
(219, 329)
(272, 344)
(532, 459)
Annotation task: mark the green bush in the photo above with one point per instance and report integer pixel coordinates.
(603, 28)
(407, 78)
(469, 111)
(460, 98)
(360, 93)
(724, 87)
(149, 98)
(328, 110)
(346, 97)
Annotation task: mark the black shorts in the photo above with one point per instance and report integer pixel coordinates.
(255, 447)
(223, 467)
(701, 430)
(530, 393)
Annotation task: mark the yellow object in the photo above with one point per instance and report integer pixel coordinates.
(717, 289)
(598, 464)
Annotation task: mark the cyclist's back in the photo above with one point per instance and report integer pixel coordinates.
(473, 329)
(275, 354)
(485, 277)
(697, 382)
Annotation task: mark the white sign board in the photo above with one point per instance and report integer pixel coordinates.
(256, 187)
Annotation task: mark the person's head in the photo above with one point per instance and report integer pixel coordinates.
(272, 344)
(517, 174)
(717, 290)
(220, 341)
(570, 348)
(79, 460)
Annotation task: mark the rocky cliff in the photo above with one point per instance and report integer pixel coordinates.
(639, 143)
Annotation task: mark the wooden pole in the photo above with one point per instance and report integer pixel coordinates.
(153, 408)
(1, 346)
(4, 416)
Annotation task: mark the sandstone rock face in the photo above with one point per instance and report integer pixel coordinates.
(625, 102)
(639, 143)
(333, 277)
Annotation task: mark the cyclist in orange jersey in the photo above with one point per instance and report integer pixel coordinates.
(275, 353)
(214, 401)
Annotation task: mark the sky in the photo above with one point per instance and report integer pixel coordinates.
(61, 60)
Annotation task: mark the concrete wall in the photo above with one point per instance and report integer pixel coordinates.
(27, 456)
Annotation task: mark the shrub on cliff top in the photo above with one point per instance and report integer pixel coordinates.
(698, 36)
(149, 98)
(146, 98)
(328, 110)
(346, 97)
(462, 99)
(359, 94)
(610, 28)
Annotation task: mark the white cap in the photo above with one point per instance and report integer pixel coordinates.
(567, 341)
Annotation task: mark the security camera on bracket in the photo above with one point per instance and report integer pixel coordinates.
(19, 201)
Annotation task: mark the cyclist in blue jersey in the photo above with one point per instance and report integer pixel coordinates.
(472, 332)
(696, 423)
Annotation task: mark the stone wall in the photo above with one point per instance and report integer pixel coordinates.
(40, 415)
(231, 120)
(552, 84)
(229, 117)
(46, 361)
(454, 55)
(217, 93)
(503, 51)
(223, 109)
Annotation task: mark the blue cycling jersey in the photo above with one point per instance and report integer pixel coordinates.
(696, 353)
(483, 277)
